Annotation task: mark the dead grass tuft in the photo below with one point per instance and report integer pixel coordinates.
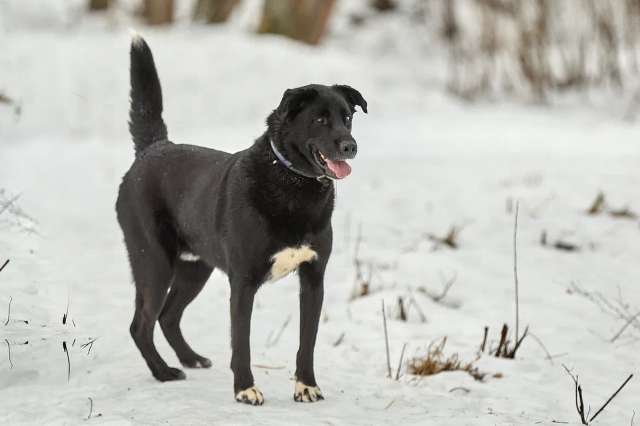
(435, 361)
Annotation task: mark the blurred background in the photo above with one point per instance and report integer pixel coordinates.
(576, 52)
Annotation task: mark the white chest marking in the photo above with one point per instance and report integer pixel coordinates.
(189, 257)
(287, 260)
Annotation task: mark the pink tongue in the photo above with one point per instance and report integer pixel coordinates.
(340, 168)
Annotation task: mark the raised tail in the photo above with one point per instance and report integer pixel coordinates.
(145, 116)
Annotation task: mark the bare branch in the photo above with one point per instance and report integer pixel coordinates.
(9, 352)
(6, 262)
(624, 327)
(64, 348)
(386, 339)
(400, 362)
(9, 312)
(611, 397)
(515, 267)
(544, 348)
(276, 338)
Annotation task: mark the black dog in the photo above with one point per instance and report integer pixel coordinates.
(257, 215)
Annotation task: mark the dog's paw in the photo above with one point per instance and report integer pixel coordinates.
(304, 393)
(251, 396)
(196, 362)
(169, 374)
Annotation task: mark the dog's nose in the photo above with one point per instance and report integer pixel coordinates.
(348, 147)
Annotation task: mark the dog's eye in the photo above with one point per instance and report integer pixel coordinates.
(321, 120)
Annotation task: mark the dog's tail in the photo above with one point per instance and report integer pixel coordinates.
(145, 116)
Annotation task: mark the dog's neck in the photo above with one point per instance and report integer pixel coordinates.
(285, 196)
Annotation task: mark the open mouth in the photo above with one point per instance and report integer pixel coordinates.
(336, 169)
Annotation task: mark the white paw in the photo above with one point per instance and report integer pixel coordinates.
(251, 396)
(304, 393)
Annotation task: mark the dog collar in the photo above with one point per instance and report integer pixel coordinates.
(282, 160)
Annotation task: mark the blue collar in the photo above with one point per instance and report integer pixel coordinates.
(282, 160)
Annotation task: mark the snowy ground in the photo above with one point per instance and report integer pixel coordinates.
(426, 162)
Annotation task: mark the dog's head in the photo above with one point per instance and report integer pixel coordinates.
(312, 128)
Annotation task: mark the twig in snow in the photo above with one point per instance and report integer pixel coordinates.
(9, 353)
(386, 339)
(624, 327)
(269, 367)
(449, 240)
(6, 262)
(558, 244)
(66, 314)
(620, 311)
(9, 311)
(544, 348)
(88, 344)
(598, 204)
(7, 204)
(484, 339)
(515, 267)
(402, 313)
(339, 340)
(448, 283)
(623, 213)
(503, 350)
(579, 400)
(90, 408)
(413, 302)
(611, 397)
(400, 362)
(64, 348)
(276, 338)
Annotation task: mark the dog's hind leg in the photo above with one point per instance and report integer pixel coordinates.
(188, 279)
(152, 273)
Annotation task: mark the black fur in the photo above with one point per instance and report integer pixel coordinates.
(145, 116)
(234, 211)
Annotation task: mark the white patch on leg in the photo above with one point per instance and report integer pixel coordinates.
(287, 260)
(304, 393)
(189, 257)
(251, 396)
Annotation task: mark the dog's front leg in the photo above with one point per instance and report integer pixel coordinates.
(311, 295)
(242, 294)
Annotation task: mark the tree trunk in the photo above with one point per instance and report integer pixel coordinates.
(383, 5)
(214, 11)
(158, 12)
(96, 5)
(303, 20)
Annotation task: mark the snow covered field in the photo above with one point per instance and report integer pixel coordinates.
(426, 162)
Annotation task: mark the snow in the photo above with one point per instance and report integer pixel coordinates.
(426, 162)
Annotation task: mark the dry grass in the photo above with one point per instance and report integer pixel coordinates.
(435, 361)
(537, 47)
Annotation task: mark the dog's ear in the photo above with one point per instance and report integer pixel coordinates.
(294, 100)
(352, 96)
